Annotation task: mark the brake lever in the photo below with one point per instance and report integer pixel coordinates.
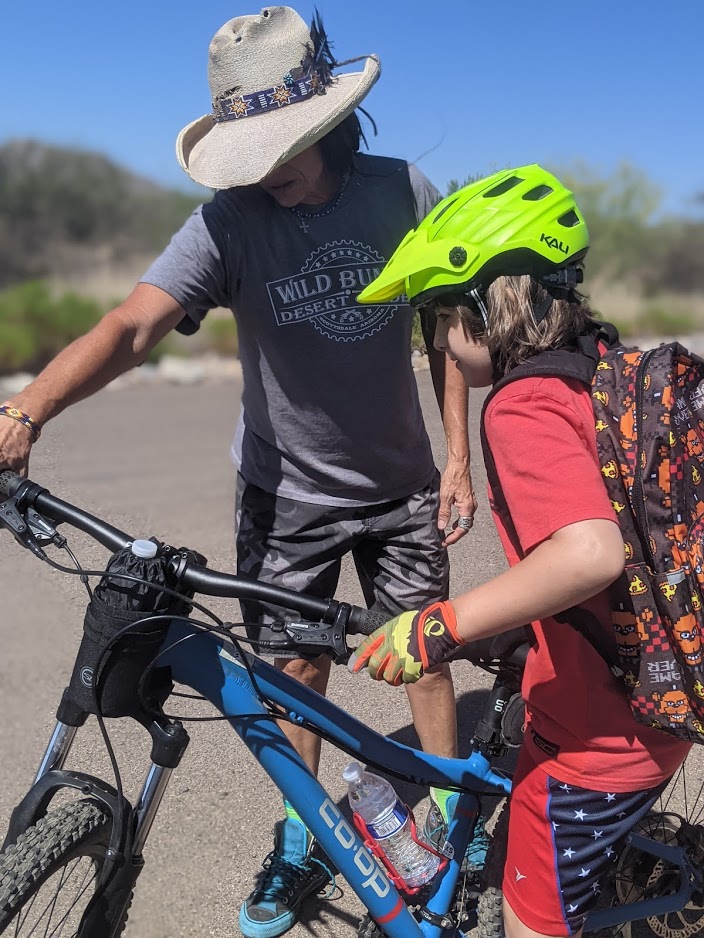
(44, 533)
(318, 638)
(11, 518)
(315, 638)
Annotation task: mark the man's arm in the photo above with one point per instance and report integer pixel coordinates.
(452, 397)
(122, 339)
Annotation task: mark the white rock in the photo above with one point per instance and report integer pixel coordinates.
(180, 370)
(13, 384)
(221, 368)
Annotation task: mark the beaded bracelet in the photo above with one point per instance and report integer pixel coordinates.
(8, 410)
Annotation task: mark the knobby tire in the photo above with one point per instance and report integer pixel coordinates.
(61, 854)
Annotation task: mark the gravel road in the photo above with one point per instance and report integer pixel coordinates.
(155, 460)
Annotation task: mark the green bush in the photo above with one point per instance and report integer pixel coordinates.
(34, 326)
(417, 337)
(222, 336)
(662, 322)
(17, 346)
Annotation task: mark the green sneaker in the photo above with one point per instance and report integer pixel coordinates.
(435, 831)
(290, 873)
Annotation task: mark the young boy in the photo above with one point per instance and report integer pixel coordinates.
(499, 262)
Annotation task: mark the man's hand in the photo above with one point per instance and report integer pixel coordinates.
(15, 445)
(403, 649)
(456, 489)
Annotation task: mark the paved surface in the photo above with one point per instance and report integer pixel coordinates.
(155, 461)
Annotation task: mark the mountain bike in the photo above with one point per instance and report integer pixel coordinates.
(70, 867)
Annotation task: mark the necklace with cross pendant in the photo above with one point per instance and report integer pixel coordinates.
(305, 217)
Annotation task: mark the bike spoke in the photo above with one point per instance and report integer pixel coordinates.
(46, 924)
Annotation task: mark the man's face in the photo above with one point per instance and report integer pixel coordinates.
(304, 178)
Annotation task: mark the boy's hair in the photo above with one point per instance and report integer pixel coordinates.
(513, 335)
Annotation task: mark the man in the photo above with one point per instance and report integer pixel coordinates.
(332, 454)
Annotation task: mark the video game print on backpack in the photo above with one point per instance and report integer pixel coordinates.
(650, 439)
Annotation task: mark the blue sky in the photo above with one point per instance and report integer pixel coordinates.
(474, 87)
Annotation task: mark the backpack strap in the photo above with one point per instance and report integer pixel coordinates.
(578, 362)
(589, 627)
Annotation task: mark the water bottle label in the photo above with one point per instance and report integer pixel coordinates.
(391, 825)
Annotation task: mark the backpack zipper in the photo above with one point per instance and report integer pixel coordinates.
(638, 498)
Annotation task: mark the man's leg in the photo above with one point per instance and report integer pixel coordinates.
(298, 546)
(313, 674)
(402, 565)
(434, 711)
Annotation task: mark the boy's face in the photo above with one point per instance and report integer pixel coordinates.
(471, 356)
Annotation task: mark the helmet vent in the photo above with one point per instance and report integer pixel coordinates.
(502, 187)
(569, 219)
(535, 195)
(444, 209)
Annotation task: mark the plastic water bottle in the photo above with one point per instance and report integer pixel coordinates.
(387, 820)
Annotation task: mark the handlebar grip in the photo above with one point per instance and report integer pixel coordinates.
(9, 483)
(364, 621)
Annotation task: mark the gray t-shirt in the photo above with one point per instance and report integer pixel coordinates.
(330, 405)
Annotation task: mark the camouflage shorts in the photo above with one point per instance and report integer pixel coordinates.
(396, 547)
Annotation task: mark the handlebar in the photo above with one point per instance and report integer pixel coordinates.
(25, 495)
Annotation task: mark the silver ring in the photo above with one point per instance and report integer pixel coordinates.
(465, 523)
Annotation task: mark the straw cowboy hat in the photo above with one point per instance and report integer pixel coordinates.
(273, 95)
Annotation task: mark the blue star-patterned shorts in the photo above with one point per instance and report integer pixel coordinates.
(562, 842)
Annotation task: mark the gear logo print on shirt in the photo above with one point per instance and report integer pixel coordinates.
(325, 292)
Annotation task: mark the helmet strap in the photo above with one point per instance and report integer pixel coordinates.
(542, 309)
(480, 301)
(559, 285)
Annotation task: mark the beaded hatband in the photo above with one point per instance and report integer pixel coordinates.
(230, 107)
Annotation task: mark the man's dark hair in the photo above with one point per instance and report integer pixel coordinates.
(340, 145)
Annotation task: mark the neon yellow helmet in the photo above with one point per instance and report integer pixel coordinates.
(517, 221)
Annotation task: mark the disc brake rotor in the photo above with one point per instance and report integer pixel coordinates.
(640, 875)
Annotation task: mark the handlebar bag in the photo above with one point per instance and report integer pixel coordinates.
(118, 602)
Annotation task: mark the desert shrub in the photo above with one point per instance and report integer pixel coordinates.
(17, 346)
(417, 337)
(222, 336)
(672, 258)
(34, 326)
(655, 320)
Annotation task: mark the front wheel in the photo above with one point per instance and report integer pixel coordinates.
(48, 877)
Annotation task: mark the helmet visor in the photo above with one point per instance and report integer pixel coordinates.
(418, 265)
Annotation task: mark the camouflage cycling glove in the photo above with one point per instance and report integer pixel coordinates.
(404, 648)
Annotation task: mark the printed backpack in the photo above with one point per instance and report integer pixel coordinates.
(649, 421)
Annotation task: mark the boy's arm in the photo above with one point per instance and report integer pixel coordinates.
(572, 565)
(568, 533)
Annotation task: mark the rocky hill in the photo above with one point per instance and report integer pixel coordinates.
(65, 211)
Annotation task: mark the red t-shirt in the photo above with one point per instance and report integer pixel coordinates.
(541, 434)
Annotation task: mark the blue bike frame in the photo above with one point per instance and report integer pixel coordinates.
(203, 662)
